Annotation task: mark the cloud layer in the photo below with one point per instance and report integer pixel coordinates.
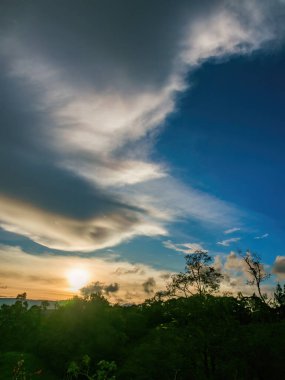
(86, 88)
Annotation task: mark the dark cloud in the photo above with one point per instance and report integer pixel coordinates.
(123, 43)
(279, 265)
(149, 285)
(99, 288)
(93, 288)
(165, 276)
(29, 170)
(135, 269)
(29, 165)
(112, 288)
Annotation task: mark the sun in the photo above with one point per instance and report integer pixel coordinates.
(77, 278)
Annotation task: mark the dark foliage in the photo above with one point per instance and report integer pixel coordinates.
(186, 333)
(199, 337)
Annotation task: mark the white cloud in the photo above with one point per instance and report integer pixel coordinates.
(264, 236)
(70, 234)
(228, 242)
(231, 230)
(238, 28)
(186, 248)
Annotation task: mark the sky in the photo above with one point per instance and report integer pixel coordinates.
(133, 133)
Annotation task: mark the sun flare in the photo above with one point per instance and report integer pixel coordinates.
(77, 278)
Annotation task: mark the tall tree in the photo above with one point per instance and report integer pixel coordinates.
(256, 271)
(199, 276)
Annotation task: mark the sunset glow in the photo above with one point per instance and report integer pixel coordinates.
(77, 278)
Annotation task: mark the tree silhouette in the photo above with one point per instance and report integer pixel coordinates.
(199, 276)
(256, 271)
(279, 295)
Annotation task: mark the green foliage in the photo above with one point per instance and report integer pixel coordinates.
(23, 366)
(106, 370)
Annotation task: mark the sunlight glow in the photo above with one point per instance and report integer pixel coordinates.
(77, 278)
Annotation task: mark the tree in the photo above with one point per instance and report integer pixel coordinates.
(256, 271)
(199, 276)
(44, 305)
(279, 295)
(21, 300)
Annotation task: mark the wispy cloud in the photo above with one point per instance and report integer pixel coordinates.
(231, 230)
(228, 242)
(185, 248)
(264, 236)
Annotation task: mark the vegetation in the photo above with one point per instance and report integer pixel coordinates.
(256, 271)
(199, 276)
(189, 334)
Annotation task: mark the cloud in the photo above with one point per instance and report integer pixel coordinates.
(68, 233)
(165, 276)
(233, 262)
(135, 269)
(279, 267)
(262, 236)
(149, 285)
(85, 96)
(112, 288)
(236, 275)
(186, 248)
(231, 230)
(99, 288)
(93, 288)
(228, 242)
(218, 264)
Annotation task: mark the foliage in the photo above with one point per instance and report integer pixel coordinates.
(279, 295)
(20, 366)
(105, 370)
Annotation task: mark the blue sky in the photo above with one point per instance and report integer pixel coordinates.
(231, 142)
(132, 134)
